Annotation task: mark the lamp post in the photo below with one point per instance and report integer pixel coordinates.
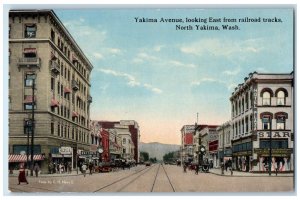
(223, 141)
(270, 152)
(33, 123)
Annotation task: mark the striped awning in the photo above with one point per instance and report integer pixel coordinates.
(74, 114)
(23, 158)
(67, 90)
(30, 50)
(28, 99)
(54, 103)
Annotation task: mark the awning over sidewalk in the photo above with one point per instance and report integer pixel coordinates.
(23, 158)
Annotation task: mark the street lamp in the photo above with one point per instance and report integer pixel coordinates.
(33, 122)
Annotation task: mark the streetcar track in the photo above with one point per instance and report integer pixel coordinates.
(119, 180)
(133, 180)
(155, 178)
(169, 179)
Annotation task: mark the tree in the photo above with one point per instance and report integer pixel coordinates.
(169, 157)
(145, 155)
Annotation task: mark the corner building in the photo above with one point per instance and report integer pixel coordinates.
(262, 111)
(42, 51)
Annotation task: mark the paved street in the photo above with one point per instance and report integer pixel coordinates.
(156, 178)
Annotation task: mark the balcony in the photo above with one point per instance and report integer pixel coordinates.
(29, 62)
(54, 67)
(75, 85)
(89, 99)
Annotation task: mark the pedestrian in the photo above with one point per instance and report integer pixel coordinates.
(36, 169)
(22, 175)
(197, 169)
(83, 167)
(184, 167)
(69, 167)
(91, 168)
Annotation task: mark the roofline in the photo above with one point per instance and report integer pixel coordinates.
(52, 13)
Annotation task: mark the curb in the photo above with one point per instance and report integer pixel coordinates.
(247, 175)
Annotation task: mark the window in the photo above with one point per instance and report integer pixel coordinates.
(280, 122)
(58, 87)
(266, 123)
(266, 98)
(280, 98)
(58, 130)
(30, 31)
(28, 126)
(124, 140)
(247, 101)
(29, 78)
(52, 128)
(276, 144)
(52, 35)
(52, 83)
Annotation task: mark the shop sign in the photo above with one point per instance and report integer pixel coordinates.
(88, 153)
(275, 134)
(254, 109)
(242, 153)
(275, 152)
(65, 150)
(189, 128)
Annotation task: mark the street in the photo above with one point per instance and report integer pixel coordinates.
(154, 178)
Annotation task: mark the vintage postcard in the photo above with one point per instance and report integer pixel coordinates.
(151, 100)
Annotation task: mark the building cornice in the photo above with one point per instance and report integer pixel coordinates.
(64, 29)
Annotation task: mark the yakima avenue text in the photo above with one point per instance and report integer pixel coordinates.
(154, 20)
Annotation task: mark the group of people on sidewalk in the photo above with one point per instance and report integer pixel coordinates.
(60, 167)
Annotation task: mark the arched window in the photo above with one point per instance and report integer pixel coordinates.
(266, 98)
(280, 98)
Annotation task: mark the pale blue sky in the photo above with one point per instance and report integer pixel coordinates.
(161, 77)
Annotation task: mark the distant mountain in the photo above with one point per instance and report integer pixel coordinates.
(158, 150)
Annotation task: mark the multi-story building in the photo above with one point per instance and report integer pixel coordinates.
(186, 148)
(262, 114)
(128, 145)
(206, 136)
(134, 129)
(49, 81)
(127, 132)
(115, 144)
(224, 147)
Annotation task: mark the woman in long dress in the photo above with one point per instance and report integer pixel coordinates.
(22, 176)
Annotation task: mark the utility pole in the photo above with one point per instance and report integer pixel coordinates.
(33, 125)
(223, 150)
(270, 153)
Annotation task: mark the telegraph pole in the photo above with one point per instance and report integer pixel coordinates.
(270, 152)
(33, 125)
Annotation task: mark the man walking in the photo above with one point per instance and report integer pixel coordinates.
(197, 169)
(36, 169)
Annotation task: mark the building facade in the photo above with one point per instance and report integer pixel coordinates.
(224, 148)
(49, 88)
(262, 114)
(187, 142)
(208, 138)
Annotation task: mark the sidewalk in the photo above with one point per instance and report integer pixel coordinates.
(73, 173)
(217, 171)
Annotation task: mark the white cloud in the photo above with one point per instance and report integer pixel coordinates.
(203, 80)
(131, 80)
(232, 72)
(218, 47)
(114, 50)
(158, 48)
(180, 64)
(98, 56)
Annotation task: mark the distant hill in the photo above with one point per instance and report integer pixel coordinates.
(158, 150)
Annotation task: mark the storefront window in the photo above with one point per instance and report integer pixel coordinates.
(276, 144)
